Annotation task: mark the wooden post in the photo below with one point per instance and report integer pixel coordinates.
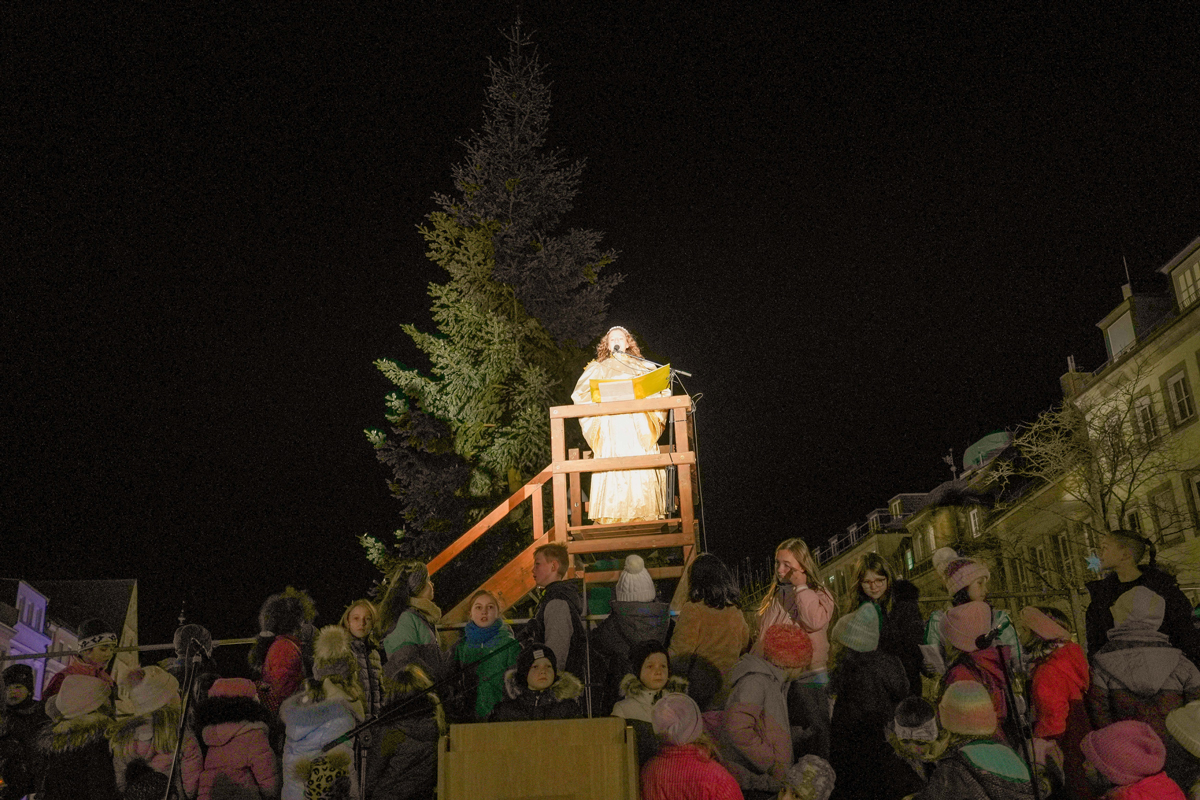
(576, 493)
(558, 453)
(684, 477)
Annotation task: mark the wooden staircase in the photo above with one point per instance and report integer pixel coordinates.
(515, 579)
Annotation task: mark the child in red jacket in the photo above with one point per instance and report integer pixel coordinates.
(1059, 678)
(686, 767)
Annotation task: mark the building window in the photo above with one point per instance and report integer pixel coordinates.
(1039, 558)
(1133, 522)
(1119, 336)
(1166, 516)
(1179, 394)
(896, 509)
(975, 521)
(1144, 407)
(908, 559)
(1187, 283)
(929, 539)
(1062, 557)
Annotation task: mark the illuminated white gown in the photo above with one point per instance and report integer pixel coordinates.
(624, 495)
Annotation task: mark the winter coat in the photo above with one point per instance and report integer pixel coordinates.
(984, 666)
(980, 770)
(1140, 678)
(627, 624)
(903, 632)
(282, 672)
(310, 726)
(21, 762)
(239, 762)
(370, 670)
(413, 640)
(1176, 622)
(79, 765)
(757, 738)
(132, 739)
(636, 709)
(687, 772)
(484, 682)
(719, 636)
(811, 609)
(558, 623)
(867, 686)
(1058, 684)
(560, 701)
(1155, 787)
(402, 763)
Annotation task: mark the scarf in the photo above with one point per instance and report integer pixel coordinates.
(478, 637)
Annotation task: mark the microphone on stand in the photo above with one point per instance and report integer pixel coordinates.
(984, 640)
(616, 348)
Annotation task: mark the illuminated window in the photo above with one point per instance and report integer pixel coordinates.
(975, 520)
(908, 559)
(1180, 395)
(1187, 283)
(1119, 336)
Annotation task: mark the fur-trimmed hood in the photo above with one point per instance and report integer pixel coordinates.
(565, 687)
(74, 734)
(632, 686)
(219, 710)
(161, 724)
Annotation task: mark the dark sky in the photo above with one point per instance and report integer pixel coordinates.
(872, 236)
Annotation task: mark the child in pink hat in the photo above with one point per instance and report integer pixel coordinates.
(966, 581)
(962, 628)
(1124, 761)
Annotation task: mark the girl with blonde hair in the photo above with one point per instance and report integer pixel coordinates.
(797, 597)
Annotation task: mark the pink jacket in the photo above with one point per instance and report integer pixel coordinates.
(686, 772)
(131, 745)
(757, 739)
(811, 609)
(238, 755)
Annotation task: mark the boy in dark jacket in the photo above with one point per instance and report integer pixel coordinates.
(1120, 552)
(20, 722)
(536, 690)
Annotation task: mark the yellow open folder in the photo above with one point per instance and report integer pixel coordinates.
(645, 385)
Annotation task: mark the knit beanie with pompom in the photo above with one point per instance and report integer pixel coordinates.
(635, 584)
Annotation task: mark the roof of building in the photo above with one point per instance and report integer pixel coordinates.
(71, 602)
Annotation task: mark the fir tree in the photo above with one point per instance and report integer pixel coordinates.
(521, 301)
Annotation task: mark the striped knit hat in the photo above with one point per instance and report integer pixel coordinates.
(967, 708)
(1125, 752)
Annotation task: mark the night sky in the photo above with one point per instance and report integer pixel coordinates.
(871, 236)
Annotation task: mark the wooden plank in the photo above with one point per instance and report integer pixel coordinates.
(620, 407)
(495, 515)
(538, 521)
(618, 529)
(623, 462)
(558, 451)
(575, 491)
(630, 543)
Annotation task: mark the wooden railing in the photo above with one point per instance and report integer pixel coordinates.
(515, 579)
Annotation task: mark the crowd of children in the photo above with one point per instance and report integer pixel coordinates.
(798, 701)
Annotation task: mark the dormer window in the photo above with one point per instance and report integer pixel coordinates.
(1187, 284)
(975, 521)
(896, 509)
(1119, 335)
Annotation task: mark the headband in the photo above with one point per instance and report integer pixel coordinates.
(97, 640)
(925, 732)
